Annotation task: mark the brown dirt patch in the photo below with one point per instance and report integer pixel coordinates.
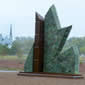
(12, 64)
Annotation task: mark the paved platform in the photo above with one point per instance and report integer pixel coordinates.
(11, 78)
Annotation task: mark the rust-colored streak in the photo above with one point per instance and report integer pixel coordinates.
(39, 44)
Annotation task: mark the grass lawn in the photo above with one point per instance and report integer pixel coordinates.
(7, 57)
(11, 69)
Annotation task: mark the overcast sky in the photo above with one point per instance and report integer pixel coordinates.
(21, 14)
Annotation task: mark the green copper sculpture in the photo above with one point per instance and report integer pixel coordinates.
(54, 61)
(28, 66)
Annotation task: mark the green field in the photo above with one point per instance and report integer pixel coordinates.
(7, 57)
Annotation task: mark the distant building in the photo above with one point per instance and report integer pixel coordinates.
(8, 39)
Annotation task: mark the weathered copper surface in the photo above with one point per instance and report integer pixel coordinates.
(47, 54)
(39, 44)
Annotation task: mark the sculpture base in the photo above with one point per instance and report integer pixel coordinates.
(54, 75)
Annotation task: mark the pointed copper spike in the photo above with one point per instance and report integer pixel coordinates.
(38, 16)
(52, 18)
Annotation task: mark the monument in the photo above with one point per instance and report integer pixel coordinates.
(46, 56)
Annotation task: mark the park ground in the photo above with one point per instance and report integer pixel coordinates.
(11, 78)
(11, 63)
(16, 63)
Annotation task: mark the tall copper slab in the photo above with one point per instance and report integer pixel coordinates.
(39, 44)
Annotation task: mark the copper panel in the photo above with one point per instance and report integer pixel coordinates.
(52, 75)
(39, 44)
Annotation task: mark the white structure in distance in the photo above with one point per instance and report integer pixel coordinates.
(8, 39)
